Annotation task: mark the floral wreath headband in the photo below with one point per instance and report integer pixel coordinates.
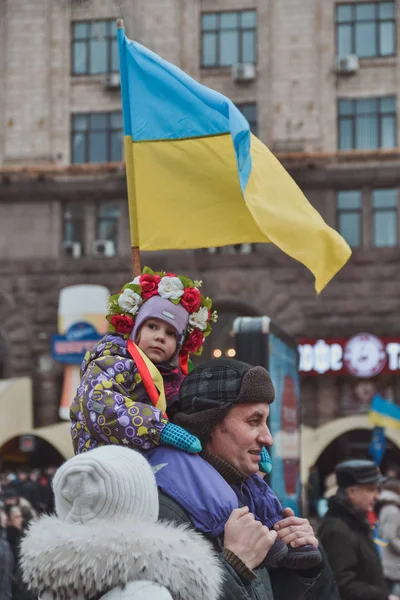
(124, 306)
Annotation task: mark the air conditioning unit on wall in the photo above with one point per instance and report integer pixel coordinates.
(104, 248)
(73, 249)
(347, 65)
(244, 72)
(112, 81)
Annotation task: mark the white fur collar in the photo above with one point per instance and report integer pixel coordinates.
(71, 560)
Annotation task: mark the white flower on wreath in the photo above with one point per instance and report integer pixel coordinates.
(136, 281)
(200, 318)
(130, 301)
(170, 287)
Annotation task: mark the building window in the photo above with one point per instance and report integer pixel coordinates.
(97, 137)
(249, 111)
(233, 249)
(349, 216)
(94, 47)
(367, 123)
(73, 223)
(367, 29)
(384, 206)
(228, 38)
(107, 224)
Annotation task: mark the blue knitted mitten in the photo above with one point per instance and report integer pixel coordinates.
(173, 435)
(265, 464)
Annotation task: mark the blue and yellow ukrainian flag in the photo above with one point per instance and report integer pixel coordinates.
(384, 413)
(198, 178)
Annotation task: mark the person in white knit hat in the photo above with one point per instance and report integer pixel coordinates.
(105, 541)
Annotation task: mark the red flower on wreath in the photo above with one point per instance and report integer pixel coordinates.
(122, 323)
(191, 300)
(149, 285)
(194, 342)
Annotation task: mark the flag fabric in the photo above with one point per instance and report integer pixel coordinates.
(384, 413)
(198, 178)
(379, 542)
(377, 446)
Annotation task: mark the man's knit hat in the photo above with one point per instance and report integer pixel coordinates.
(109, 482)
(209, 392)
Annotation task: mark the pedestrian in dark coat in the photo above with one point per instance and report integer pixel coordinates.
(6, 561)
(347, 536)
(15, 534)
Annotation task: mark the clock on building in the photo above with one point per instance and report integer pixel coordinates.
(364, 355)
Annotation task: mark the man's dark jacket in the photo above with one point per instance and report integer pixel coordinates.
(276, 584)
(346, 536)
(325, 587)
(6, 570)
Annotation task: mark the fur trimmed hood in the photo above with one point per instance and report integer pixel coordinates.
(67, 560)
(389, 497)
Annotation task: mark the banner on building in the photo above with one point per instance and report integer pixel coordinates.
(81, 323)
(284, 422)
(363, 355)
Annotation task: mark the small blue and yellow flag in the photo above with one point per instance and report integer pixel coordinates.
(377, 447)
(198, 178)
(384, 413)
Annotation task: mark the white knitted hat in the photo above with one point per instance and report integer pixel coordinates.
(110, 482)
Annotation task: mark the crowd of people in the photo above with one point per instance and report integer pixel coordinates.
(25, 494)
(110, 524)
(166, 497)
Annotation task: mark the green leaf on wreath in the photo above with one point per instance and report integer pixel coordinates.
(135, 287)
(208, 330)
(186, 282)
(207, 302)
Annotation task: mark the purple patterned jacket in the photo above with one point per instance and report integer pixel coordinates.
(112, 405)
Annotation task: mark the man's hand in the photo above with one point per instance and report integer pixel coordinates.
(295, 531)
(247, 538)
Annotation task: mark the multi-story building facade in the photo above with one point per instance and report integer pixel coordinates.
(318, 81)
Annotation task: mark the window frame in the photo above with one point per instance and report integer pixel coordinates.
(109, 38)
(375, 210)
(218, 30)
(358, 211)
(241, 249)
(80, 221)
(240, 106)
(377, 20)
(108, 131)
(100, 219)
(353, 117)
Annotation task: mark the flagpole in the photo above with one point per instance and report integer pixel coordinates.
(129, 167)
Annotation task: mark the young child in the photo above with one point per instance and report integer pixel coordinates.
(133, 375)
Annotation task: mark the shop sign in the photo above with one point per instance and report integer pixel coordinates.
(27, 443)
(72, 347)
(364, 355)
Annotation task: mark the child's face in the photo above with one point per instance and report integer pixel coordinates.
(157, 339)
